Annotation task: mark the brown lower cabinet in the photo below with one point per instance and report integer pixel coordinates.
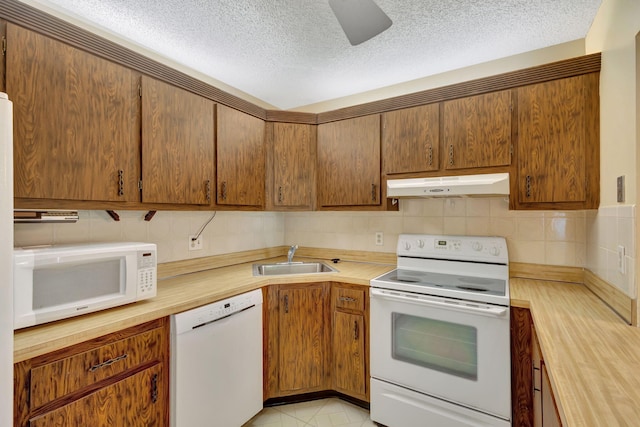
(532, 398)
(316, 340)
(545, 411)
(118, 380)
(350, 373)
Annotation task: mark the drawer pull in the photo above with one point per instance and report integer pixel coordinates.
(347, 299)
(108, 362)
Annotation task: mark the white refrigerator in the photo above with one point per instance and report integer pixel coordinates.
(6, 263)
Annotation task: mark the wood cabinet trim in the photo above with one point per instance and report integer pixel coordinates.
(537, 74)
(37, 20)
(32, 18)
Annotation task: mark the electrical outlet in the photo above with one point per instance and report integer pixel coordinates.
(195, 244)
(622, 267)
(379, 238)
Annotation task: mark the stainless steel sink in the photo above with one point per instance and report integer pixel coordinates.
(280, 268)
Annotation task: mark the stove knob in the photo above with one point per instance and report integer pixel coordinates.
(421, 244)
(495, 251)
(407, 246)
(476, 246)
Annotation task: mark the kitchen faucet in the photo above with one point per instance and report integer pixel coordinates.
(292, 250)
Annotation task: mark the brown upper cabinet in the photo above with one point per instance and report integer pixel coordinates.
(477, 131)
(411, 140)
(177, 145)
(291, 166)
(75, 130)
(558, 144)
(240, 159)
(349, 162)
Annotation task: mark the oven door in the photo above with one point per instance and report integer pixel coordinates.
(451, 349)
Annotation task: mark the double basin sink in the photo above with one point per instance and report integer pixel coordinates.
(280, 268)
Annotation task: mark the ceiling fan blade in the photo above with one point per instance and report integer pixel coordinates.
(360, 19)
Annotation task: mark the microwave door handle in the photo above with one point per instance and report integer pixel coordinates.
(425, 300)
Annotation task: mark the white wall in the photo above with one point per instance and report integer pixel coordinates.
(491, 68)
(614, 34)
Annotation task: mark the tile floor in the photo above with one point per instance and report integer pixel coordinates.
(331, 412)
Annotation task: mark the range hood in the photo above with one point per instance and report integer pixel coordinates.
(490, 184)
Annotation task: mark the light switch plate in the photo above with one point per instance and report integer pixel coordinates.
(620, 189)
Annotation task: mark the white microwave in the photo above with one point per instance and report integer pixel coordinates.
(55, 282)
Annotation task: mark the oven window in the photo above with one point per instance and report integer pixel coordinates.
(443, 346)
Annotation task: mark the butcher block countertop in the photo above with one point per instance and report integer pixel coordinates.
(592, 355)
(176, 294)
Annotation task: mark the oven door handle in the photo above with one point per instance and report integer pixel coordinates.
(426, 300)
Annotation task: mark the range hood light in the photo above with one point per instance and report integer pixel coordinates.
(492, 184)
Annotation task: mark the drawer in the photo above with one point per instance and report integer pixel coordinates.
(56, 379)
(348, 298)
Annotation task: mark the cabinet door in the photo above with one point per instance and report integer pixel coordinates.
(134, 401)
(349, 162)
(477, 131)
(411, 140)
(557, 132)
(240, 158)
(76, 135)
(302, 341)
(177, 145)
(292, 159)
(349, 353)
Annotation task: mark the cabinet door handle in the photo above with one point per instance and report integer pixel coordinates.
(451, 155)
(154, 388)
(373, 192)
(108, 362)
(355, 330)
(528, 186)
(280, 194)
(223, 190)
(207, 190)
(347, 299)
(430, 155)
(286, 303)
(120, 182)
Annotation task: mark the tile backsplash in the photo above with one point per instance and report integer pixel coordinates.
(170, 230)
(542, 237)
(573, 238)
(608, 228)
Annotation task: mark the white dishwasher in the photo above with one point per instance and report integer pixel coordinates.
(216, 363)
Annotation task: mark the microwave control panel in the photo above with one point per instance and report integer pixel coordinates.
(146, 273)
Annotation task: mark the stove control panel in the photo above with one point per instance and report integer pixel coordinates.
(471, 248)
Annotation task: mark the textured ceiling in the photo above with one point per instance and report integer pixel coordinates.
(291, 53)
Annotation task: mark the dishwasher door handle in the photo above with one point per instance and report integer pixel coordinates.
(200, 325)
